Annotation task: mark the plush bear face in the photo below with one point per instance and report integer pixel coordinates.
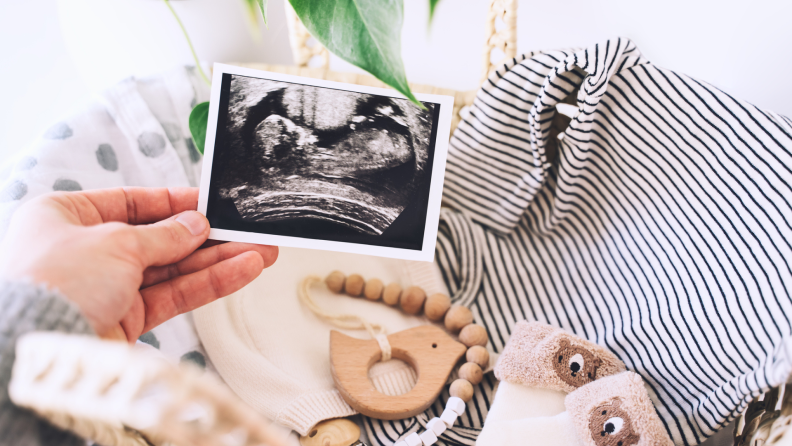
(574, 364)
(610, 425)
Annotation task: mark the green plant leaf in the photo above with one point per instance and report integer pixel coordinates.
(432, 6)
(261, 5)
(365, 33)
(199, 119)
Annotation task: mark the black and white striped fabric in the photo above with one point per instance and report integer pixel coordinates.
(659, 227)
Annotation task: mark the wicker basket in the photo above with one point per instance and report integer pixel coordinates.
(762, 423)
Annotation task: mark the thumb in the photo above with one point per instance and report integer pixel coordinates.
(171, 240)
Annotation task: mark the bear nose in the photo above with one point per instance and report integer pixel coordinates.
(575, 367)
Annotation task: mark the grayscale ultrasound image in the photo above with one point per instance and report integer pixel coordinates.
(290, 152)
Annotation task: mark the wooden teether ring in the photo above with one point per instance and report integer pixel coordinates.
(335, 432)
(427, 349)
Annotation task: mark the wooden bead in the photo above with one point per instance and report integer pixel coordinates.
(335, 281)
(436, 306)
(391, 294)
(457, 318)
(461, 389)
(412, 300)
(471, 372)
(354, 285)
(373, 289)
(479, 355)
(473, 335)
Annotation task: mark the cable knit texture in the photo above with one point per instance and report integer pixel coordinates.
(25, 307)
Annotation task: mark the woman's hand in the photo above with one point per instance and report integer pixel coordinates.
(128, 257)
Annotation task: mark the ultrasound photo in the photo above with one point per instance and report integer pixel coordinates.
(321, 163)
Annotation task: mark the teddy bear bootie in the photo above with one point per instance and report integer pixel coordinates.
(560, 390)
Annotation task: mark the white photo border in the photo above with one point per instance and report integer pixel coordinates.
(427, 251)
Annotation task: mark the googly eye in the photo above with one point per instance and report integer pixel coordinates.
(576, 362)
(613, 425)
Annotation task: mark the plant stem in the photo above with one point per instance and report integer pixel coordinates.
(189, 43)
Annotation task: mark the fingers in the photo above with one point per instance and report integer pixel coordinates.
(138, 205)
(171, 240)
(185, 293)
(114, 333)
(204, 258)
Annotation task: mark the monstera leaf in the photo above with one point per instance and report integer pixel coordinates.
(365, 33)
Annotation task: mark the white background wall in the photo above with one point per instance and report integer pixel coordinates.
(55, 53)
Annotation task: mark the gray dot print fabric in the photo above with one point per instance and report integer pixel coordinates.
(60, 130)
(151, 144)
(150, 338)
(106, 157)
(66, 185)
(14, 191)
(172, 131)
(27, 163)
(195, 357)
(194, 155)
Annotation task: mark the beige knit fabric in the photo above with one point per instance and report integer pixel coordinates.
(622, 401)
(539, 355)
(274, 353)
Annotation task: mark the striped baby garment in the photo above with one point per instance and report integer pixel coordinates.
(657, 224)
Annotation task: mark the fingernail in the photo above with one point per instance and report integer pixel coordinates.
(193, 221)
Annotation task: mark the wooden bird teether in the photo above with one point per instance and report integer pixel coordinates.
(427, 349)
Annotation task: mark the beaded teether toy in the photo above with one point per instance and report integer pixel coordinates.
(427, 349)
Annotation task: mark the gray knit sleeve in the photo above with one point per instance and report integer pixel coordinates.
(25, 307)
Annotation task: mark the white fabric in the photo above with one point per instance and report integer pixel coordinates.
(274, 352)
(515, 401)
(556, 430)
(520, 413)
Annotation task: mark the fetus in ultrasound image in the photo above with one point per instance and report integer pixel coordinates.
(292, 152)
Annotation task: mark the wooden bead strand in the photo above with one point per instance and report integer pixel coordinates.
(392, 294)
(437, 307)
(412, 300)
(373, 289)
(354, 285)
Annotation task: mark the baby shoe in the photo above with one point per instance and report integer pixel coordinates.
(616, 411)
(539, 366)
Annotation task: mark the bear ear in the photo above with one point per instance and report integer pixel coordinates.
(616, 403)
(564, 343)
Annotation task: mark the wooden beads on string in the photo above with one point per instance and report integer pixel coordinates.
(479, 355)
(392, 294)
(471, 372)
(335, 281)
(412, 300)
(457, 318)
(373, 289)
(472, 335)
(437, 307)
(354, 285)
(462, 389)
